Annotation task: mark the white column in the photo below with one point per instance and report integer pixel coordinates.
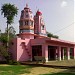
(74, 52)
(49, 54)
(59, 53)
(56, 52)
(63, 53)
(68, 53)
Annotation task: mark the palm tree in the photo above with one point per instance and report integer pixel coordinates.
(11, 30)
(9, 11)
(0, 32)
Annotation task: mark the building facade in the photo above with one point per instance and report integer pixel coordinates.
(32, 40)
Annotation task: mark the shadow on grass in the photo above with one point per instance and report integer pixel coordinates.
(69, 70)
(59, 74)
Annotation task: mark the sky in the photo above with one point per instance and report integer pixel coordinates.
(58, 16)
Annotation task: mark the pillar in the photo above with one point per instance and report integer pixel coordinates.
(74, 52)
(56, 53)
(45, 51)
(59, 53)
(63, 53)
(68, 53)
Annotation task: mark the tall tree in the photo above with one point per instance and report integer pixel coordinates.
(3, 44)
(11, 31)
(9, 11)
(0, 32)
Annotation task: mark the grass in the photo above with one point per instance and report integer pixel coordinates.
(14, 70)
(39, 70)
(31, 70)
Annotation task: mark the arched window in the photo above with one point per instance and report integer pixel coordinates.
(21, 22)
(26, 22)
(27, 15)
(31, 23)
(42, 27)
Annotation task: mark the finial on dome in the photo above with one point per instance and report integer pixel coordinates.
(26, 5)
(38, 10)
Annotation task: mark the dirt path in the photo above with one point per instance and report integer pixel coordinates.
(43, 70)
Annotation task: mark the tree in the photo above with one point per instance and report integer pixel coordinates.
(4, 53)
(11, 32)
(3, 47)
(51, 35)
(55, 36)
(0, 32)
(9, 11)
(3, 38)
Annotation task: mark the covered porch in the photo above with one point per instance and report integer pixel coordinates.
(62, 53)
(53, 49)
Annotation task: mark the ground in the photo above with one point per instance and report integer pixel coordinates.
(39, 70)
(63, 63)
(43, 70)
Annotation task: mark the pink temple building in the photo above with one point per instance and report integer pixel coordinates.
(32, 40)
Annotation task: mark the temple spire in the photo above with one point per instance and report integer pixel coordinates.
(26, 23)
(27, 5)
(38, 10)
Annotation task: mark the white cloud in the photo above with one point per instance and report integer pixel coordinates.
(63, 4)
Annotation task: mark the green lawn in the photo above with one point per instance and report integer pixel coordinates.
(14, 70)
(31, 70)
(39, 70)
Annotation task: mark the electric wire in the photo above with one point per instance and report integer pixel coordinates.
(64, 28)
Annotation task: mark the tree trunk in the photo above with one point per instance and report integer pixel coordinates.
(7, 36)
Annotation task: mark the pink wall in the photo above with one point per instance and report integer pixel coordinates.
(37, 41)
(26, 36)
(21, 50)
(13, 48)
(18, 50)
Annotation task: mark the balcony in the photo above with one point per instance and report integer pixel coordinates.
(26, 27)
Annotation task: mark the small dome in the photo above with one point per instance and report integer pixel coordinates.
(38, 13)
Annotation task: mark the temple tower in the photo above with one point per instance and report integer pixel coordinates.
(39, 25)
(26, 33)
(26, 22)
